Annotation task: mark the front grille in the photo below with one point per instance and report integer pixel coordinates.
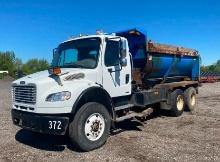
(24, 94)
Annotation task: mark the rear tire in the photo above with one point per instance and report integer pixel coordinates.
(190, 98)
(177, 102)
(90, 127)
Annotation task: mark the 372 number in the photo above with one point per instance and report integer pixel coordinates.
(54, 124)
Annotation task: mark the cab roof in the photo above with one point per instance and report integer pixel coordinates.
(102, 36)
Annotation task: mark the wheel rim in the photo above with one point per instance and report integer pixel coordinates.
(94, 127)
(193, 99)
(179, 102)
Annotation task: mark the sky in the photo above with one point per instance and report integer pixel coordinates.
(32, 28)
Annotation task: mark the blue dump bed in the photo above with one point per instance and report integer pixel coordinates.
(158, 61)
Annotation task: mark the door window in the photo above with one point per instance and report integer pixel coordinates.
(111, 53)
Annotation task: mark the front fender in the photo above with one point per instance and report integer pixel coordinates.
(94, 94)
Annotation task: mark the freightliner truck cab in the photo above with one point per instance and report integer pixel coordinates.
(87, 88)
(86, 72)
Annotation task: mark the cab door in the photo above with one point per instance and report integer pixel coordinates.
(116, 78)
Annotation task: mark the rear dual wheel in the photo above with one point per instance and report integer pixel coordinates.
(190, 98)
(177, 102)
(183, 100)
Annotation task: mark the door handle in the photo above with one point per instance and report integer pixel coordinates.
(110, 70)
(127, 78)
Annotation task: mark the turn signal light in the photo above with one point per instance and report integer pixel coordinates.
(55, 71)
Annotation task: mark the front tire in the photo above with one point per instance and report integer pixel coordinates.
(177, 102)
(90, 127)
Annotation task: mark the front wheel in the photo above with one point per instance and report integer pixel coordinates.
(90, 127)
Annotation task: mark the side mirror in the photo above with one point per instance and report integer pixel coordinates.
(123, 53)
(123, 62)
(123, 49)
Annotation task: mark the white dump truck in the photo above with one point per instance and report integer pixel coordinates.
(97, 80)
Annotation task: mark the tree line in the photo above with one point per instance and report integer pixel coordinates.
(9, 62)
(212, 68)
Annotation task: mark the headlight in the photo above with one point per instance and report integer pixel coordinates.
(60, 96)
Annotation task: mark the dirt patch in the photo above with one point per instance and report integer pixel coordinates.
(191, 137)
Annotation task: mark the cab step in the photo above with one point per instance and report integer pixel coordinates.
(132, 114)
(123, 107)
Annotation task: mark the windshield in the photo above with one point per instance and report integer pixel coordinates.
(81, 53)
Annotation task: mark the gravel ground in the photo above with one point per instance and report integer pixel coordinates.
(191, 137)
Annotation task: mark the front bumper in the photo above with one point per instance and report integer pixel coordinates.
(43, 123)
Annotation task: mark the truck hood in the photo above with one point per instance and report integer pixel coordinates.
(74, 80)
(67, 74)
